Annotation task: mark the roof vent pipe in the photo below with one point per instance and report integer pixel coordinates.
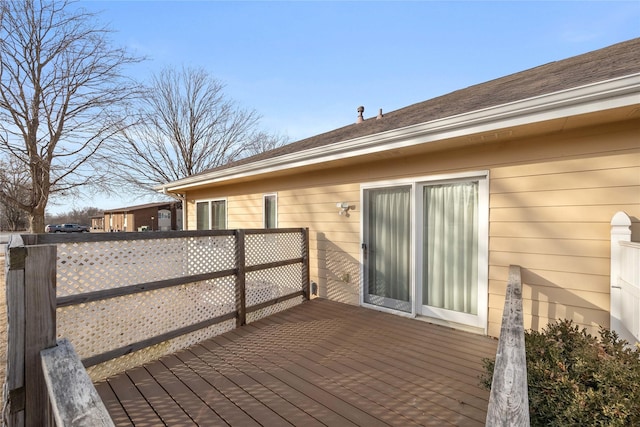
(360, 111)
(379, 114)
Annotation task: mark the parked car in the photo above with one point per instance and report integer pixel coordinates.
(67, 228)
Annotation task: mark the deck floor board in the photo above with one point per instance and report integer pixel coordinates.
(320, 363)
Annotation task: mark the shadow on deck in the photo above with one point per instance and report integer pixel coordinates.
(319, 363)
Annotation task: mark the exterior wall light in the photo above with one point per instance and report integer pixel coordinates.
(344, 208)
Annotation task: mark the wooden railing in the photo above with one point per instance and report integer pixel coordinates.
(625, 280)
(509, 399)
(31, 295)
(74, 399)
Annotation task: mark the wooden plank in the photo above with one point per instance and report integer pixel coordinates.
(405, 357)
(73, 397)
(53, 238)
(222, 395)
(255, 382)
(241, 301)
(324, 393)
(138, 288)
(295, 391)
(305, 264)
(325, 362)
(227, 395)
(137, 408)
(509, 401)
(189, 401)
(273, 301)
(403, 376)
(14, 282)
(111, 402)
(353, 384)
(287, 230)
(162, 403)
(40, 329)
(274, 264)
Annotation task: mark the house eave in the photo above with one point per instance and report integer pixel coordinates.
(605, 95)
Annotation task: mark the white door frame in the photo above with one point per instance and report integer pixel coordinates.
(477, 323)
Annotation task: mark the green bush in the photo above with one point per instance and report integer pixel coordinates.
(576, 379)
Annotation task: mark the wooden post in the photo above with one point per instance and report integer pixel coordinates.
(40, 329)
(305, 263)
(241, 303)
(31, 312)
(74, 399)
(15, 255)
(509, 399)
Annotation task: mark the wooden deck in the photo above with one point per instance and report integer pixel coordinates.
(320, 363)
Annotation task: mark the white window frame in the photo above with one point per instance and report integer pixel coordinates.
(476, 323)
(264, 211)
(209, 202)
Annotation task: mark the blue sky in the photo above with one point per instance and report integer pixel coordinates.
(306, 66)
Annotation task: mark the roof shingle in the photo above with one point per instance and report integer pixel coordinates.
(618, 60)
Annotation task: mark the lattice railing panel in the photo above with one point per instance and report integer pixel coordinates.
(265, 248)
(100, 326)
(273, 309)
(211, 253)
(264, 285)
(92, 266)
(105, 325)
(149, 354)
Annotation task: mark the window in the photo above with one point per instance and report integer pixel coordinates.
(211, 215)
(270, 213)
(218, 214)
(202, 215)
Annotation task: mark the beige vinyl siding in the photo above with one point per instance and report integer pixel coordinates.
(552, 217)
(551, 201)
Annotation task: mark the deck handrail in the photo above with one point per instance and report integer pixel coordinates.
(32, 303)
(509, 398)
(74, 399)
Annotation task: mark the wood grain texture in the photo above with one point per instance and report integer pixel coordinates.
(319, 363)
(73, 397)
(509, 400)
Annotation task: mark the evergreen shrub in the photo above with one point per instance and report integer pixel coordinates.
(576, 379)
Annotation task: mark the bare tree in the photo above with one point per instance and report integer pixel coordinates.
(14, 181)
(61, 85)
(185, 126)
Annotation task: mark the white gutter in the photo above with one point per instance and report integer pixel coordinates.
(614, 93)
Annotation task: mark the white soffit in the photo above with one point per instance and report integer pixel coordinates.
(615, 93)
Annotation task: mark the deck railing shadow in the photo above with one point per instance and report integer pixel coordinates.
(124, 299)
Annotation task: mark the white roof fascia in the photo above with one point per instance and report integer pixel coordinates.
(614, 93)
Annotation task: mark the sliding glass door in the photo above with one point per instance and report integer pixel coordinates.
(387, 247)
(425, 247)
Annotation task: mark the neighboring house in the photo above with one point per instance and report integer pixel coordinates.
(161, 216)
(421, 211)
(97, 223)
